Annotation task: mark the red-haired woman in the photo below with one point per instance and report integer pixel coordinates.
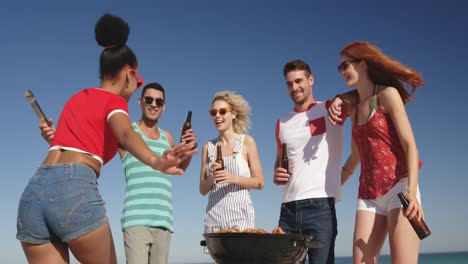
(383, 142)
(61, 208)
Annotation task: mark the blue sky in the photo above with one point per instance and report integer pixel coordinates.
(195, 48)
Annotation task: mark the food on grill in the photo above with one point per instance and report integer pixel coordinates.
(229, 230)
(278, 230)
(256, 231)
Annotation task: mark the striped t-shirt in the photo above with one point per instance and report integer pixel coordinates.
(148, 194)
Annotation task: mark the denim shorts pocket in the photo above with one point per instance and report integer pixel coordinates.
(71, 209)
(23, 209)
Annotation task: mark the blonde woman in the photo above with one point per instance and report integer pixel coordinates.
(229, 203)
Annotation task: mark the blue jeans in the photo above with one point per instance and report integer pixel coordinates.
(61, 202)
(316, 217)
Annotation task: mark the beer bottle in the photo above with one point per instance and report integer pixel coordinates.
(219, 157)
(187, 125)
(419, 226)
(284, 163)
(188, 122)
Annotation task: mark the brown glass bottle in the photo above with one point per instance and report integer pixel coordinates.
(188, 122)
(284, 162)
(219, 157)
(187, 125)
(419, 226)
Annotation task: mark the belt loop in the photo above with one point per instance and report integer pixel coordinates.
(69, 171)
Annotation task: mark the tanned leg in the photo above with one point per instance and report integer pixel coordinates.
(94, 247)
(370, 231)
(404, 243)
(53, 253)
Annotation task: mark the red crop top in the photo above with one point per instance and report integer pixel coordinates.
(83, 124)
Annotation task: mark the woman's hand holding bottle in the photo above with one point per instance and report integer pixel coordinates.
(220, 175)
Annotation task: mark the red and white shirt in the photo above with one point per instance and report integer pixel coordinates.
(83, 124)
(314, 148)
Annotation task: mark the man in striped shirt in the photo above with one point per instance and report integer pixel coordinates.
(147, 220)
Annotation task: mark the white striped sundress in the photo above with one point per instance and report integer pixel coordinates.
(229, 205)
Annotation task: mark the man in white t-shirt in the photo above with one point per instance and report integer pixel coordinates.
(314, 148)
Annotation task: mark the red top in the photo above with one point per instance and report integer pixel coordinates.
(383, 160)
(83, 124)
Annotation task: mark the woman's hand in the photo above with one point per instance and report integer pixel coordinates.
(171, 158)
(414, 208)
(47, 130)
(222, 176)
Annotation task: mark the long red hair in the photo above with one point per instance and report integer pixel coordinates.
(384, 70)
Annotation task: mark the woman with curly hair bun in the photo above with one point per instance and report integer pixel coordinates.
(229, 203)
(384, 144)
(61, 207)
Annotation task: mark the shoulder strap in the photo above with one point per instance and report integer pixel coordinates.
(136, 128)
(374, 100)
(163, 136)
(373, 105)
(355, 114)
(239, 143)
(211, 147)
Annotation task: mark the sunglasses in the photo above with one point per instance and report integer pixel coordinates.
(149, 101)
(344, 65)
(138, 78)
(222, 111)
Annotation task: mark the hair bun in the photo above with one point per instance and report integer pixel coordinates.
(111, 30)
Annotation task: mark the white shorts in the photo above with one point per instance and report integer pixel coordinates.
(383, 204)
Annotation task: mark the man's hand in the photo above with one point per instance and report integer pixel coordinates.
(189, 136)
(281, 176)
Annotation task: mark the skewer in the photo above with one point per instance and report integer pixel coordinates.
(35, 105)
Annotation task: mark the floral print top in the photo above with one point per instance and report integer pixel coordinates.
(383, 160)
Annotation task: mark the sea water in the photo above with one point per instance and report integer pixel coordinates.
(424, 258)
(427, 258)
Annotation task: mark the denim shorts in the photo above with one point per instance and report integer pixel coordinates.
(61, 202)
(316, 217)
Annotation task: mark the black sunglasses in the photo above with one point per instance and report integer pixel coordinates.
(344, 65)
(149, 101)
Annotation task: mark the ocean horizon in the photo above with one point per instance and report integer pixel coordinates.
(460, 257)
